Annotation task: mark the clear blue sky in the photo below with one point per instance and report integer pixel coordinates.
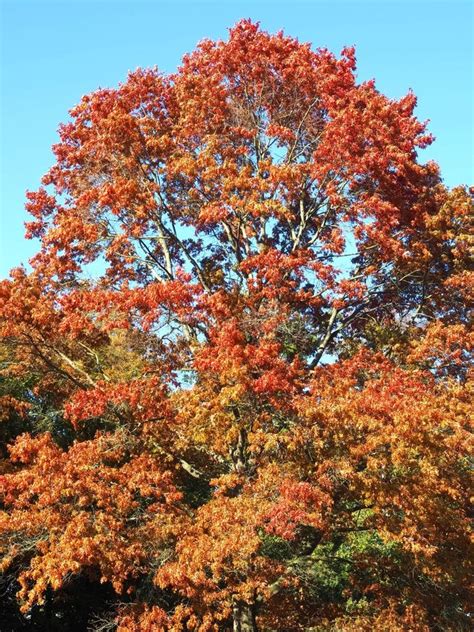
(54, 52)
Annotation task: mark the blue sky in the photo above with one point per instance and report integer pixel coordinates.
(54, 52)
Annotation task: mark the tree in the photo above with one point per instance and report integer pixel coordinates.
(248, 328)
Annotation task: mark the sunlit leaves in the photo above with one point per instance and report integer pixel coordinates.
(236, 383)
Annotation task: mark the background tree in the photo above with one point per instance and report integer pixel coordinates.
(258, 409)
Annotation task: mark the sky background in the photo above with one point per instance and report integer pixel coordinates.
(54, 52)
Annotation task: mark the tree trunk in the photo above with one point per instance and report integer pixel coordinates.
(244, 617)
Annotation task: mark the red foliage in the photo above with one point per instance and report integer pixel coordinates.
(256, 411)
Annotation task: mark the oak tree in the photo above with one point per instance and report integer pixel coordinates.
(237, 377)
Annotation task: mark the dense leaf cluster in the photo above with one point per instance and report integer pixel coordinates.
(235, 386)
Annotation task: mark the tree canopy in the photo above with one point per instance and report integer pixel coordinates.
(235, 384)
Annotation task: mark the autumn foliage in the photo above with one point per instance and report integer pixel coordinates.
(235, 385)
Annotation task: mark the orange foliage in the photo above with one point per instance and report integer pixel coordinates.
(260, 405)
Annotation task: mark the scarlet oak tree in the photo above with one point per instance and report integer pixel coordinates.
(237, 377)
